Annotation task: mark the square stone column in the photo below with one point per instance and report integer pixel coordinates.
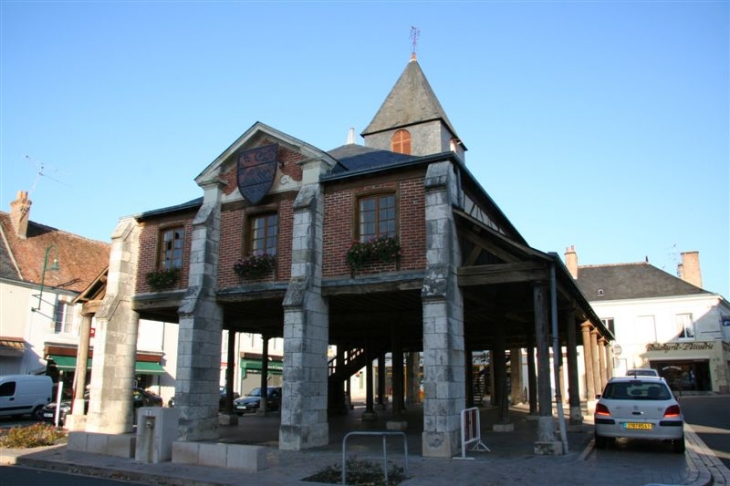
(306, 331)
(201, 328)
(115, 342)
(443, 319)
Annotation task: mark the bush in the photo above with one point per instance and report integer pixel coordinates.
(255, 266)
(360, 473)
(36, 435)
(382, 248)
(163, 278)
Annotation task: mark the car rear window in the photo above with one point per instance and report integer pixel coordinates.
(636, 390)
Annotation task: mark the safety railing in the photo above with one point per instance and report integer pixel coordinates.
(385, 435)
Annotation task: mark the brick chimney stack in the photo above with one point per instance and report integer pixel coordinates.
(689, 269)
(571, 261)
(20, 214)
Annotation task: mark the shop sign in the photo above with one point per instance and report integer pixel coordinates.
(696, 346)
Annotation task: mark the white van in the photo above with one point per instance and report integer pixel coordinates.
(24, 395)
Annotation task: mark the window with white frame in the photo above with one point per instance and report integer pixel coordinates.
(63, 317)
(685, 326)
(608, 322)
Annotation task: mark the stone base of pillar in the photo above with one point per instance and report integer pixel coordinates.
(75, 423)
(369, 416)
(591, 406)
(228, 419)
(532, 417)
(298, 437)
(396, 425)
(553, 448)
(576, 415)
(503, 427)
(440, 444)
(546, 429)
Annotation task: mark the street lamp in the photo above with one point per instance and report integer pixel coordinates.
(54, 266)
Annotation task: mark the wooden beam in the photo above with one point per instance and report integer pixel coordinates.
(500, 273)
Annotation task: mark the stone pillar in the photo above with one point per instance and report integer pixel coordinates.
(545, 431)
(264, 384)
(576, 415)
(396, 358)
(602, 362)
(443, 318)
(515, 363)
(201, 328)
(469, 377)
(115, 340)
(381, 381)
(500, 374)
(609, 361)
(412, 377)
(306, 331)
(596, 361)
(82, 359)
(493, 390)
(588, 357)
(227, 416)
(531, 372)
(369, 413)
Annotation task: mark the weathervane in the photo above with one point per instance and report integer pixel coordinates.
(415, 33)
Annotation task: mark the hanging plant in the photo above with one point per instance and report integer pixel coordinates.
(163, 278)
(383, 248)
(255, 266)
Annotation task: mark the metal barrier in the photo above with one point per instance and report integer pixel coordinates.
(471, 432)
(384, 434)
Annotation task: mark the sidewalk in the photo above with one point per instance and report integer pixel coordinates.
(511, 460)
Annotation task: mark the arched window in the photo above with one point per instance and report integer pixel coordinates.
(401, 142)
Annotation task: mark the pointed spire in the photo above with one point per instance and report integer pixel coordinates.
(415, 34)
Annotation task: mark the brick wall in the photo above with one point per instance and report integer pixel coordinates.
(340, 231)
(148, 248)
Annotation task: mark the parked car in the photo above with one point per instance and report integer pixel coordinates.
(252, 401)
(638, 407)
(140, 398)
(642, 372)
(24, 395)
(221, 401)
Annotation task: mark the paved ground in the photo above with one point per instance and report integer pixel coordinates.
(511, 460)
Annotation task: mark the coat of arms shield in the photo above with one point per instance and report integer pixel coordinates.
(256, 171)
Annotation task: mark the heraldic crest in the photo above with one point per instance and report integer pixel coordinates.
(256, 171)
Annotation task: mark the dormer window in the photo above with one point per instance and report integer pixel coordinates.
(401, 142)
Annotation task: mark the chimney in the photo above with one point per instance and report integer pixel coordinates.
(351, 136)
(571, 261)
(20, 214)
(689, 269)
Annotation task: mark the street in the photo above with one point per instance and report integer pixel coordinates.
(24, 476)
(709, 416)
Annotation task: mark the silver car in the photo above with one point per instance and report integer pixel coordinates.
(638, 407)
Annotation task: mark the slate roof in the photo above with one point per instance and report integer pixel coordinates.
(631, 281)
(357, 158)
(410, 101)
(80, 260)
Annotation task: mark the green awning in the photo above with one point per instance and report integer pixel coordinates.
(254, 366)
(68, 363)
(148, 368)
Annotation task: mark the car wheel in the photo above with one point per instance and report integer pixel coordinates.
(37, 413)
(601, 441)
(678, 445)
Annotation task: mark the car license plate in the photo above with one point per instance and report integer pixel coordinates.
(637, 426)
(48, 415)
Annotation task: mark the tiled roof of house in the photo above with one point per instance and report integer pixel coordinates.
(80, 260)
(630, 281)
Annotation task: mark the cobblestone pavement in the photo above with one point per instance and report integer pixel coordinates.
(510, 461)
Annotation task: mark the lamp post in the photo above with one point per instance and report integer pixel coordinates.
(54, 266)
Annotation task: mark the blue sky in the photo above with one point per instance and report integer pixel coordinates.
(599, 124)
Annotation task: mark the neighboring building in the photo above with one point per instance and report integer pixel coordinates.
(661, 321)
(42, 271)
(388, 248)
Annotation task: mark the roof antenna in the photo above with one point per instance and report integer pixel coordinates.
(415, 33)
(41, 167)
